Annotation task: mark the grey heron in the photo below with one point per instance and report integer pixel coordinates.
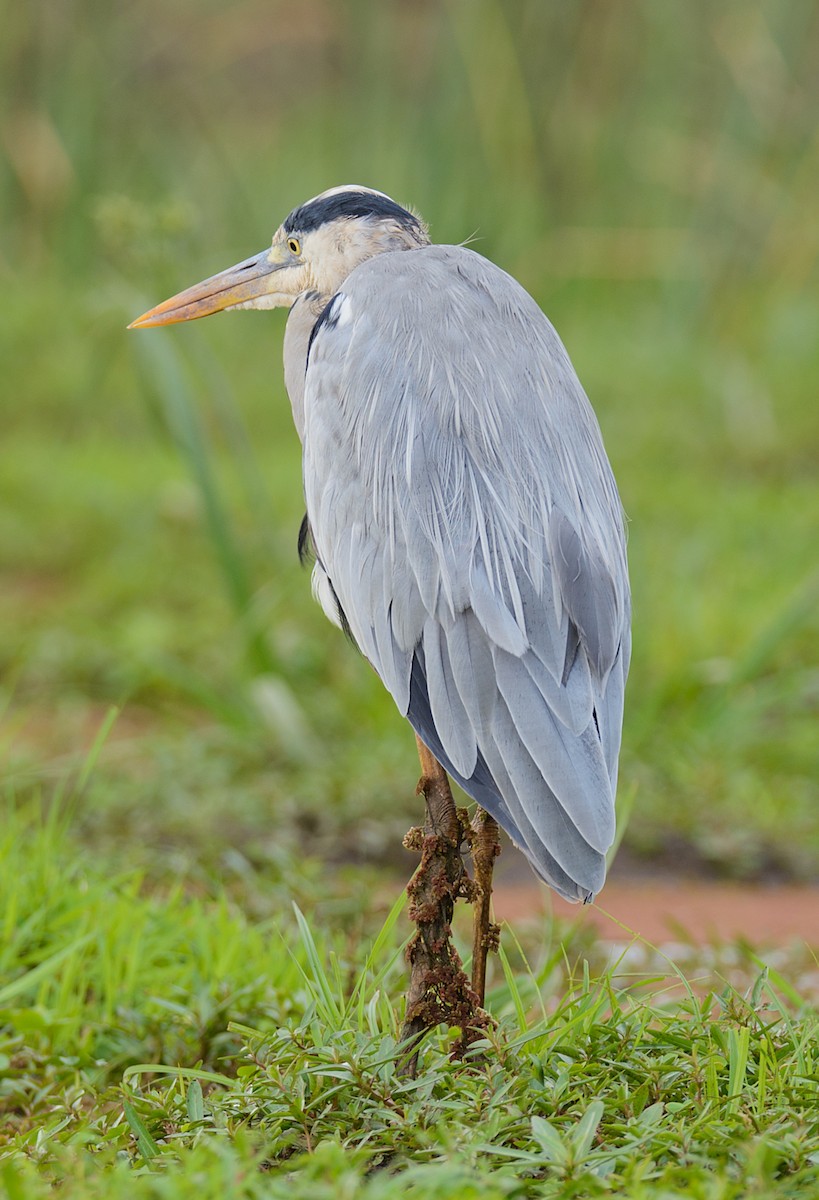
(465, 522)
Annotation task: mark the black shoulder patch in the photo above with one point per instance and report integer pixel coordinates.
(306, 548)
(324, 209)
(342, 616)
(328, 316)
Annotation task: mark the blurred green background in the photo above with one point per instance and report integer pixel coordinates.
(649, 171)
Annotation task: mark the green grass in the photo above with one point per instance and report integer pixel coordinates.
(157, 1041)
(648, 172)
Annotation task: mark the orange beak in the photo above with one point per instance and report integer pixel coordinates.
(250, 280)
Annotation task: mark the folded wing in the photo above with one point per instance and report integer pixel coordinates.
(463, 508)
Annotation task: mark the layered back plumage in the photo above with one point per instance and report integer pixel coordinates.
(467, 523)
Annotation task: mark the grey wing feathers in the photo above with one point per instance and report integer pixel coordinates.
(463, 507)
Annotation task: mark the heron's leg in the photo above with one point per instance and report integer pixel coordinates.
(439, 991)
(443, 818)
(485, 934)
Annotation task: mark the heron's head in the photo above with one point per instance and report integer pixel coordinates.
(313, 250)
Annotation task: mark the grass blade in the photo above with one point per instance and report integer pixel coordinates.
(194, 1101)
(196, 1073)
(147, 1146)
(318, 982)
(42, 971)
(583, 1134)
(99, 741)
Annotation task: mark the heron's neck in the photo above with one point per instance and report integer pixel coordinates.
(303, 316)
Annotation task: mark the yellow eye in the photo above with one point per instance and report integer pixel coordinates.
(294, 245)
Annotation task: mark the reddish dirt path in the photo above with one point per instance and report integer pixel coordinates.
(680, 909)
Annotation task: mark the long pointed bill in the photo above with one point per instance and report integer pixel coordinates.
(250, 280)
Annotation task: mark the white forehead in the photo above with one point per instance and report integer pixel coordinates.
(347, 187)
